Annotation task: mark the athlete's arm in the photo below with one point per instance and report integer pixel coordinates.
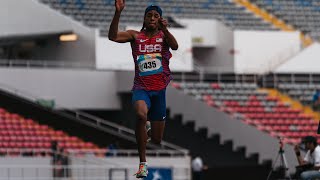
(170, 39)
(114, 35)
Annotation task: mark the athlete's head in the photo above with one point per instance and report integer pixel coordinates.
(152, 15)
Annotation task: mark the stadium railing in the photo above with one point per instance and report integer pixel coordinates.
(88, 167)
(44, 64)
(217, 74)
(81, 172)
(14, 152)
(96, 122)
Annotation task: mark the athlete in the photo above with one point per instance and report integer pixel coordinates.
(150, 50)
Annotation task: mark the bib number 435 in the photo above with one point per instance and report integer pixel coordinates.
(148, 65)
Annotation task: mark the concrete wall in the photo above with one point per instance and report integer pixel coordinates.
(118, 56)
(124, 80)
(11, 168)
(220, 57)
(203, 31)
(84, 89)
(261, 52)
(240, 133)
(307, 61)
(29, 17)
(82, 50)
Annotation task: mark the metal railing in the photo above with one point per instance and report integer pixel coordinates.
(45, 172)
(268, 80)
(218, 74)
(81, 168)
(116, 129)
(76, 172)
(83, 152)
(45, 64)
(96, 122)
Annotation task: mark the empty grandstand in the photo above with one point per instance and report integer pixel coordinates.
(99, 13)
(300, 14)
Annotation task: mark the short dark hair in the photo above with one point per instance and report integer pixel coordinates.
(310, 139)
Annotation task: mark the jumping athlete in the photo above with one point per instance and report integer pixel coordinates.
(150, 50)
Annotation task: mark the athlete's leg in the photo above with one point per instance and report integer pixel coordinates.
(141, 110)
(142, 103)
(157, 116)
(157, 128)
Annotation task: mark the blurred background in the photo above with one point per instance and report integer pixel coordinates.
(246, 75)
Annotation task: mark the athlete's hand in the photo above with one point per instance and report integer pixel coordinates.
(163, 24)
(119, 5)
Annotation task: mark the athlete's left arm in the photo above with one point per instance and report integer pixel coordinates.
(169, 38)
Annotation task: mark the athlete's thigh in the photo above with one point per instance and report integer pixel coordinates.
(157, 111)
(141, 102)
(140, 108)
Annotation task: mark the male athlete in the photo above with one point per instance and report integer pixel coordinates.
(151, 54)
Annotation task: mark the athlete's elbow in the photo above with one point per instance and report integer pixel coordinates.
(175, 47)
(112, 38)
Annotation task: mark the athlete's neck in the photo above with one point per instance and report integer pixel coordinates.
(150, 32)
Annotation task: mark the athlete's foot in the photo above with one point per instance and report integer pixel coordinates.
(148, 128)
(143, 171)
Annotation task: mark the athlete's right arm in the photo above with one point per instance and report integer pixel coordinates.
(114, 35)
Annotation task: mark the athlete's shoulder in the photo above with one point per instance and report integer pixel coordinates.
(161, 33)
(133, 33)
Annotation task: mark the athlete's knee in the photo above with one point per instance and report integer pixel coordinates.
(141, 115)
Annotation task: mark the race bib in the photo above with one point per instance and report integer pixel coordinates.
(150, 64)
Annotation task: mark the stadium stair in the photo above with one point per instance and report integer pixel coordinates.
(218, 155)
(255, 107)
(215, 153)
(295, 104)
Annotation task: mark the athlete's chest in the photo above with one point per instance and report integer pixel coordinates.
(145, 44)
(149, 55)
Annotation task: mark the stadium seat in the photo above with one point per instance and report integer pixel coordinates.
(302, 15)
(258, 109)
(19, 133)
(98, 14)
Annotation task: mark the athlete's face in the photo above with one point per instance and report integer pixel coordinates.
(151, 20)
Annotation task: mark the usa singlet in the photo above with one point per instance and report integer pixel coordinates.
(151, 57)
